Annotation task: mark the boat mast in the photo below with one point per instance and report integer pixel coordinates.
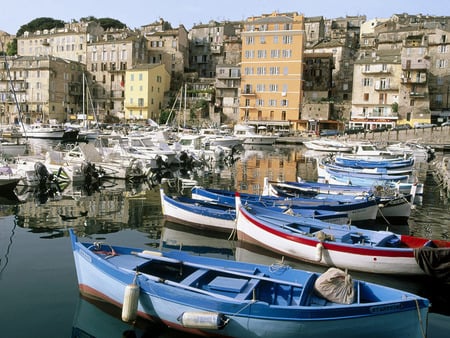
(13, 91)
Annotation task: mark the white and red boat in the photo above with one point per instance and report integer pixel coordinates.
(343, 246)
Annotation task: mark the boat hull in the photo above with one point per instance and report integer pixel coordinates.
(162, 302)
(367, 259)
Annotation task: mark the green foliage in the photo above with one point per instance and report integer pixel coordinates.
(110, 23)
(11, 48)
(164, 116)
(395, 107)
(40, 24)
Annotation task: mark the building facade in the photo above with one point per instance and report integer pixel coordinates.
(46, 88)
(271, 71)
(145, 88)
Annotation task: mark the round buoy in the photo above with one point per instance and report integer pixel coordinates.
(130, 302)
(319, 249)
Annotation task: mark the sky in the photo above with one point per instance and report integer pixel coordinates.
(136, 13)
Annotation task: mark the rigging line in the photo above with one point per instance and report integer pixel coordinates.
(8, 72)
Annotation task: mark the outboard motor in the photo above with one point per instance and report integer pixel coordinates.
(42, 173)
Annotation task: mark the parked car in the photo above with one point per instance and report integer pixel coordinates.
(445, 124)
(355, 130)
(405, 126)
(330, 132)
(419, 125)
(379, 129)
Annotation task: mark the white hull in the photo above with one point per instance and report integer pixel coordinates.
(332, 255)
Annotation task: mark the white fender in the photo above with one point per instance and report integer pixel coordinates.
(130, 302)
(319, 251)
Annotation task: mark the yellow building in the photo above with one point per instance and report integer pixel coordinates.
(145, 86)
(271, 70)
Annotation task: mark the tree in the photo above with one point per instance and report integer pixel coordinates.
(40, 24)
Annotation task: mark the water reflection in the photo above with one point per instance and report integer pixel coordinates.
(120, 212)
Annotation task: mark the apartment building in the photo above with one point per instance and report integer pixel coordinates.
(271, 71)
(69, 42)
(228, 81)
(145, 87)
(168, 46)
(207, 43)
(376, 89)
(424, 77)
(45, 88)
(317, 106)
(107, 61)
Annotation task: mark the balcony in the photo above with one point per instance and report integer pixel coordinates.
(418, 95)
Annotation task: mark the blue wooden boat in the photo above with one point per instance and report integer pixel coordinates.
(330, 163)
(392, 206)
(357, 162)
(224, 298)
(218, 216)
(357, 209)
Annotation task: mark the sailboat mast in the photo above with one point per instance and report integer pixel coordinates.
(13, 90)
(184, 111)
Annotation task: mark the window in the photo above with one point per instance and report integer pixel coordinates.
(260, 88)
(274, 70)
(287, 53)
(262, 54)
(261, 70)
(287, 39)
(366, 97)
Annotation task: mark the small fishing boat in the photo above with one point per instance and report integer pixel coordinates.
(8, 180)
(370, 163)
(358, 209)
(342, 246)
(215, 216)
(393, 207)
(217, 297)
(328, 146)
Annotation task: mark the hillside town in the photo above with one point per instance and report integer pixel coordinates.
(280, 72)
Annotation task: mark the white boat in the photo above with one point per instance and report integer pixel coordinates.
(192, 144)
(213, 137)
(49, 131)
(328, 145)
(146, 145)
(8, 180)
(419, 152)
(249, 136)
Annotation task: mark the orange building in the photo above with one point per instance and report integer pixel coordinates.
(271, 71)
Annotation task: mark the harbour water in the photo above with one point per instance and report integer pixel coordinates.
(38, 286)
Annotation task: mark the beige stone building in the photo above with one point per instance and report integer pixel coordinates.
(228, 81)
(376, 89)
(107, 62)
(145, 87)
(69, 42)
(271, 71)
(170, 47)
(45, 88)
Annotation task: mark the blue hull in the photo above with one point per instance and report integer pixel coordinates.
(244, 299)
